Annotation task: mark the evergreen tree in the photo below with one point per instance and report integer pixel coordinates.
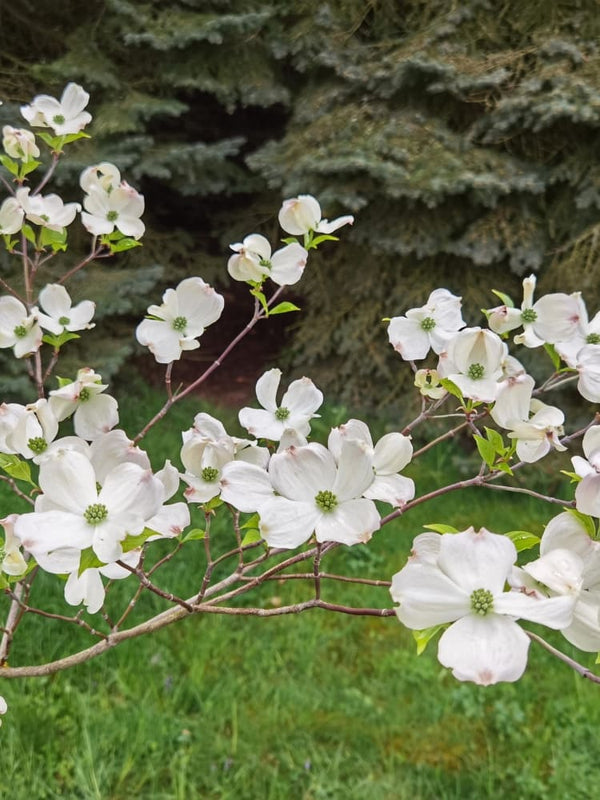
(463, 137)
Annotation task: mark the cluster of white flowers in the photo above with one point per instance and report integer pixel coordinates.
(97, 501)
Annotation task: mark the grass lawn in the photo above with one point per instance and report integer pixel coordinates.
(311, 707)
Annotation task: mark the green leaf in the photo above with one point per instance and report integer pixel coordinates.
(63, 381)
(440, 527)
(56, 143)
(554, 357)
(252, 536)
(124, 244)
(131, 542)
(16, 467)
(422, 638)
(323, 237)
(575, 478)
(88, 560)
(29, 234)
(58, 341)
(283, 308)
(195, 533)
(496, 440)
(261, 298)
(212, 504)
(523, 540)
(503, 467)
(486, 450)
(11, 166)
(251, 523)
(504, 298)
(29, 166)
(452, 388)
(57, 240)
(588, 522)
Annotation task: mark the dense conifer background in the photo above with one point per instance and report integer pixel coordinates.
(463, 136)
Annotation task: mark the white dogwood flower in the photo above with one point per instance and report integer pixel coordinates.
(120, 208)
(552, 318)
(176, 325)
(253, 261)
(430, 326)
(56, 302)
(540, 433)
(297, 408)
(64, 116)
(473, 361)
(19, 143)
(94, 413)
(390, 455)
(49, 211)
(304, 491)
(73, 512)
(19, 328)
(459, 579)
(302, 214)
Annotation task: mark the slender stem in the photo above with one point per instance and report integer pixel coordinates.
(258, 314)
(570, 662)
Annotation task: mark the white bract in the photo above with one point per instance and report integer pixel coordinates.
(537, 435)
(302, 214)
(253, 261)
(553, 318)
(13, 562)
(587, 493)
(176, 325)
(306, 491)
(390, 455)
(118, 207)
(569, 565)
(19, 328)
(11, 216)
(428, 327)
(56, 302)
(94, 413)
(460, 579)
(298, 407)
(19, 143)
(73, 513)
(34, 429)
(64, 116)
(48, 211)
(473, 361)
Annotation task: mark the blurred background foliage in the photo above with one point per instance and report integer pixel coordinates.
(462, 135)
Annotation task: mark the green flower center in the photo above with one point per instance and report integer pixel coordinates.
(593, 338)
(326, 501)
(428, 324)
(95, 514)
(528, 315)
(58, 118)
(210, 474)
(112, 216)
(282, 413)
(37, 445)
(482, 601)
(84, 394)
(63, 320)
(179, 324)
(20, 331)
(476, 371)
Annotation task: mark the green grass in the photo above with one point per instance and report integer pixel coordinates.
(315, 707)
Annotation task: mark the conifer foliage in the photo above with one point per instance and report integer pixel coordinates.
(462, 136)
